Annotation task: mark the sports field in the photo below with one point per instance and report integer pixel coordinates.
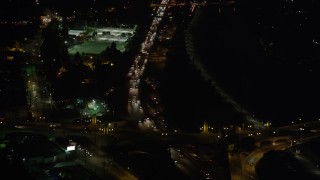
(94, 47)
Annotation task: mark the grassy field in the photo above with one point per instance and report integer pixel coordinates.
(94, 47)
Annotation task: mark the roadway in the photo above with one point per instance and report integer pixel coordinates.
(144, 116)
(40, 102)
(38, 89)
(242, 165)
(135, 109)
(147, 110)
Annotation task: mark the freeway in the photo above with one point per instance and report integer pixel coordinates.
(148, 114)
(138, 112)
(97, 161)
(102, 165)
(280, 138)
(293, 130)
(242, 165)
(135, 109)
(54, 129)
(249, 162)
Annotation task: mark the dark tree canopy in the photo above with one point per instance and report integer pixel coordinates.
(247, 144)
(277, 164)
(112, 53)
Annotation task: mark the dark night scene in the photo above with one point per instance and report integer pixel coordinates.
(160, 89)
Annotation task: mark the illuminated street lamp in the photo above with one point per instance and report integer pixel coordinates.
(205, 127)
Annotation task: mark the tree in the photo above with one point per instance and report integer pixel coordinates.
(112, 53)
(77, 58)
(53, 50)
(247, 144)
(276, 164)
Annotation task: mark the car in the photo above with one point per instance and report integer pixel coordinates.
(86, 130)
